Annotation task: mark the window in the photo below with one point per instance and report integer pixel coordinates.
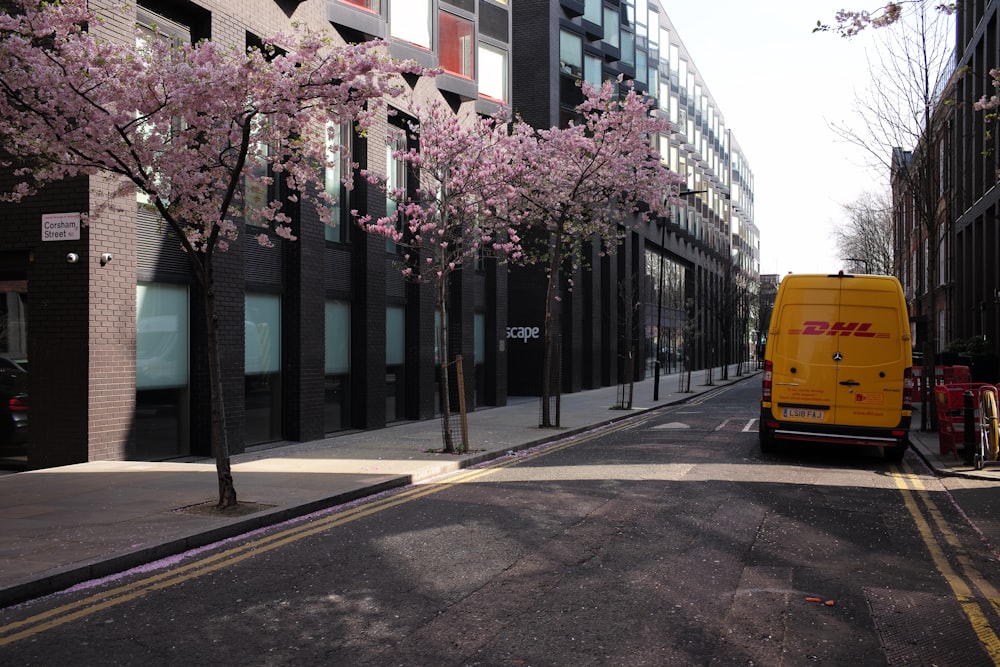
(641, 67)
(593, 70)
(410, 20)
(611, 26)
(479, 360)
(570, 53)
(492, 72)
(150, 27)
(395, 181)
(395, 360)
(456, 44)
(262, 367)
(161, 371)
(592, 11)
(258, 190)
(374, 6)
(628, 47)
(339, 228)
(337, 369)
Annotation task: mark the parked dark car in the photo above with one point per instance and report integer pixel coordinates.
(13, 403)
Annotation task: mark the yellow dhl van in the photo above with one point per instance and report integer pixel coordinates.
(837, 361)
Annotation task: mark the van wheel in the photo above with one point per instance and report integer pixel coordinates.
(767, 445)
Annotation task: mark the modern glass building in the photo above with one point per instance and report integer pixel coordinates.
(674, 289)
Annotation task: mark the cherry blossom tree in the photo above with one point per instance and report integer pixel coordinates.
(586, 183)
(182, 125)
(465, 175)
(850, 22)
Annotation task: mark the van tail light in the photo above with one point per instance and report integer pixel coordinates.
(15, 404)
(766, 387)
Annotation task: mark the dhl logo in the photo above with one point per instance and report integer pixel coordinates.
(818, 328)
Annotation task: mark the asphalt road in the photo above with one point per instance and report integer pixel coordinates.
(667, 539)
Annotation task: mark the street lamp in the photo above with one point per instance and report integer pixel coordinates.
(659, 299)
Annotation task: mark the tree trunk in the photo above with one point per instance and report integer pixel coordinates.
(220, 438)
(555, 258)
(449, 445)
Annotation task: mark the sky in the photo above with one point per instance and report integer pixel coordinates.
(779, 86)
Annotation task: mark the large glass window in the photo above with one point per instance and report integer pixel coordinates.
(150, 27)
(592, 10)
(593, 70)
(570, 53)
(337, 368)
(14, 319)
(665, 312)
(395, 363)
(262, 367)
(411, 21)
(161, 371)
(479, 329)
(611, 26)
(641, 67)
(627, 47)
(492, 72)
(456, 45)
(338, 229)
(395, 181)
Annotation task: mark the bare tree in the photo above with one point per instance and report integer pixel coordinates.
(727, 306)
(864, 237)
(912, 64)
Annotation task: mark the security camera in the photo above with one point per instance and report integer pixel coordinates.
(105, 258)
(72, 258)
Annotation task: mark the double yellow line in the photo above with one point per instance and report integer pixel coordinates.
(91, 604)
(962, 582)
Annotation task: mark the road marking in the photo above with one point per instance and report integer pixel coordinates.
(112, 597)
(961, 583)
(748, 427)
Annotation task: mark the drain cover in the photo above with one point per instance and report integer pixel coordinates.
(923, 629)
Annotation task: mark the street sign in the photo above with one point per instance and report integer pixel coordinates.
(61, 227)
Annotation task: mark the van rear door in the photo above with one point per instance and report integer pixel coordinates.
(804, 369)
(870, 366)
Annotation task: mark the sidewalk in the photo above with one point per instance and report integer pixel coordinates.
(62, 526)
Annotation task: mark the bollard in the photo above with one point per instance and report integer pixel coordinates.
(970, 426)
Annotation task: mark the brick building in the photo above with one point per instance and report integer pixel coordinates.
(319, 335)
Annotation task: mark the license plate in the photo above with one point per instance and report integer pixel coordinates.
(803, 413)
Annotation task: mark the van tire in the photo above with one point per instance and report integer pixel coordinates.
(767, 445)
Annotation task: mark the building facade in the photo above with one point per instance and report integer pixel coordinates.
(945, 206)
(322, 335)
(975, 202)
(659, 296)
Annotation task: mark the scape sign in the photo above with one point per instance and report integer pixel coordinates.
(61, 227)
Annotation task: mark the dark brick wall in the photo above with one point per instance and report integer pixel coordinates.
(304, 320)
(82, 316)
(534, 61)
(369, 300)
(58, 317)
(495, 365)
